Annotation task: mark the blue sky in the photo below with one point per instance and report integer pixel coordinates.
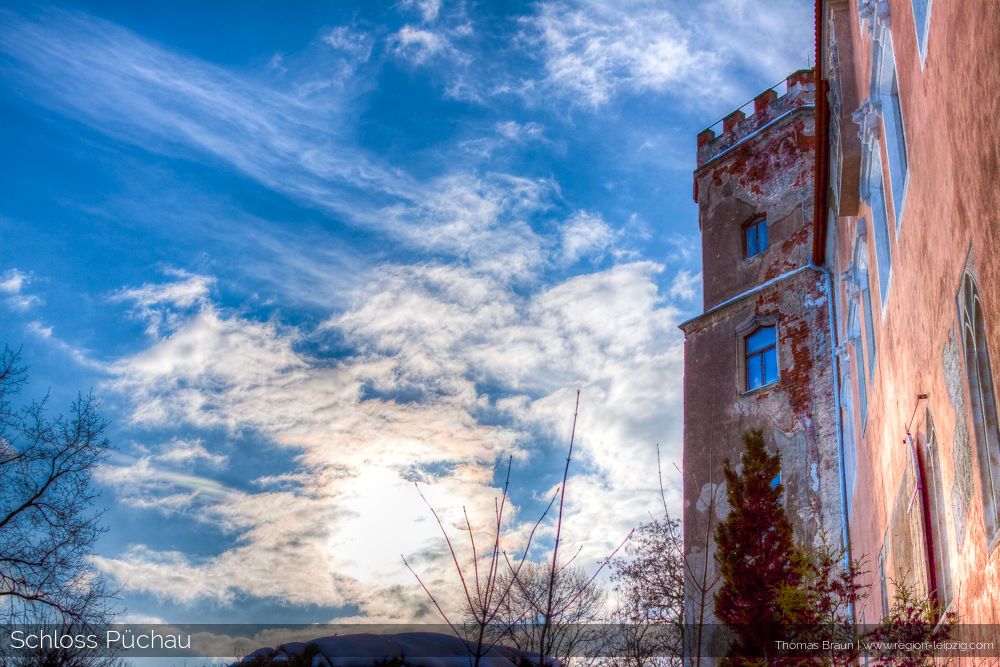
(310, 253)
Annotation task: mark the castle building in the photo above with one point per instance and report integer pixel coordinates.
(850, 224)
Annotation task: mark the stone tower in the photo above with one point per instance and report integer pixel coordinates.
(760, 354)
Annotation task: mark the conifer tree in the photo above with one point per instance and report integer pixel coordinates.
(757, 556)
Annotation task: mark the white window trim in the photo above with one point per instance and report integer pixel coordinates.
(883, 74)
(922, 42)
(742, 332)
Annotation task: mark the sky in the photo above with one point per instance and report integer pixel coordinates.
(308, 254)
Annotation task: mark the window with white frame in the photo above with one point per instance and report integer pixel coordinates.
(761, 357)
(859, 361)
(863, 281)
(885, 88)
(982, 399)
(874, 194)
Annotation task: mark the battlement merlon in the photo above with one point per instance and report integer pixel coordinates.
(767, 108)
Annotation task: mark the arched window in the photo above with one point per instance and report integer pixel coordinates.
(761, 357)
(982, 399)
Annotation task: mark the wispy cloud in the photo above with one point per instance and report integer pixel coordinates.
(13, 284)
(356, 44)
(428, 9)
(158, 304)
(418, 45)
(136, 91)
(596, 50)
(684, 285)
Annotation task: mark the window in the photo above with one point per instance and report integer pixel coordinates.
(887, 91)
(921, 21)
(854, 338)
(847, 432)
(982, 399)
(875, 198)
(755, 237)
(859, 361)
(761, 357)
(863, 282)
(866, 302)
(937, 528)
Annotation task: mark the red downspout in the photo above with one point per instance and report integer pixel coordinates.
(821, 169)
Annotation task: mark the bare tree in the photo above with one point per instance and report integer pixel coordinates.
(489, 590)
(488, 593)
(577, 597)
(701, 576)
(48, 524)
(551, 614)
(649, 582)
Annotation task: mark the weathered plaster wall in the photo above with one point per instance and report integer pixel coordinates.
(768, 174)
(952, 207)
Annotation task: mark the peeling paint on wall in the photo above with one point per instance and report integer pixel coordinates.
(961, 452)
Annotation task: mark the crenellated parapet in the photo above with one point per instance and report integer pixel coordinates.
(755, 115)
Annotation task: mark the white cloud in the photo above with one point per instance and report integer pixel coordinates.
(518, 132)
(506, 134)
(179, 451)
(595, 50)
(12, 284)
(355, 44)
(433, 335)
(290, 138)
(418, 45)
(684, 285)
(159, 304)
(429, 9)
(585, 235)
(485, 221)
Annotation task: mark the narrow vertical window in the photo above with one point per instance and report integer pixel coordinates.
(937, 527)
(859, 361)
(887, 90)
(982, 400)
(880, 223)
(866, 302)
(761, 357)
(854, 333)
(755, 237)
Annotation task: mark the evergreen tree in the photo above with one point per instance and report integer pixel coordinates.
(757, 556)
